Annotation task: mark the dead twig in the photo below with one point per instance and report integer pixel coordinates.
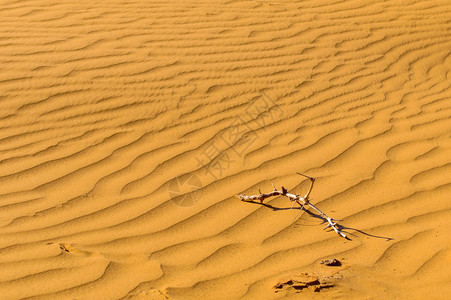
(302, 201)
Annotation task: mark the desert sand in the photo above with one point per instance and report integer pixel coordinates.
(127, 128)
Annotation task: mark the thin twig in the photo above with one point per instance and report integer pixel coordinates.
(302, 201)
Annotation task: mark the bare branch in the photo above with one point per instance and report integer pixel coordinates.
(302, 201)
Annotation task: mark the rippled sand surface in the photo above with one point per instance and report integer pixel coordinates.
(127, 127)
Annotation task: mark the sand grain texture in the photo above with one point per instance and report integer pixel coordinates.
(128, 126)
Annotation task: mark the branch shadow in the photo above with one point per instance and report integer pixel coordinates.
(342, 228)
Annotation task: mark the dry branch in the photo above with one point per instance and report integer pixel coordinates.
(302, 201)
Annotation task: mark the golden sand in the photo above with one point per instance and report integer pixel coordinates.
(127, 127)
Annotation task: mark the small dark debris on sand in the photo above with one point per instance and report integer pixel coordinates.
(65, 247)
(300, 282)
(331, 262)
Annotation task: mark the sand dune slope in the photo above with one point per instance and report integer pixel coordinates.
(127, 127)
